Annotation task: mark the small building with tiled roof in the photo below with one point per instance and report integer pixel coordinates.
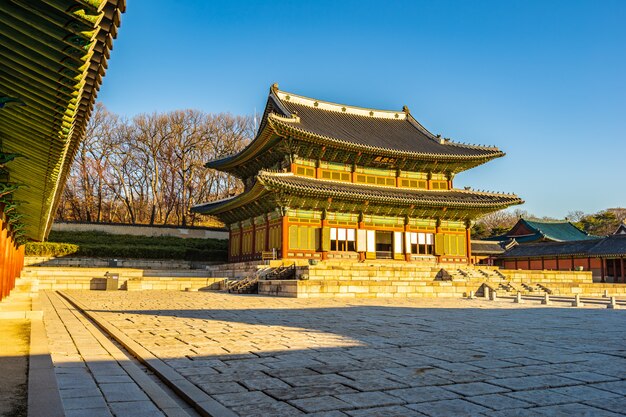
(604, 257)
(526, 231)
(331, 181)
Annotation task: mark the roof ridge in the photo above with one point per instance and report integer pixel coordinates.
(339, 107)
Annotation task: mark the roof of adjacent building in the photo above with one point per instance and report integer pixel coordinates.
(526, 231)
(486, 247)
(54, 55)
(613, 245)
(394, 133)
(311, 187)
(621, 230)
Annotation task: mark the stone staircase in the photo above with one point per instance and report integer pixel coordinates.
(248, 285)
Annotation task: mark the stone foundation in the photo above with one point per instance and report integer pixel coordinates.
(59, 278)
(392, 279)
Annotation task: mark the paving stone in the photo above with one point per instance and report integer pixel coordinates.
(308, 391)
(616, 404)
(220, 387)
(370, 399)
(573, 410)
(589, 377)
(308, 380)
(135, 409)
(274, 409)
(422, 394)
(91, 412)
(584, 392)
(540, 397)
(80, 392)
(474, 388)
(122, 392)
(332, 413)
(324, 403)
(393, 411)
(533, 382)
(237, 399)
(447, 408)
(374, 384)
(618, 387)
(263, 383)
(81, 403)
(498, 401)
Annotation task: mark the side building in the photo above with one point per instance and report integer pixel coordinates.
(331, 181)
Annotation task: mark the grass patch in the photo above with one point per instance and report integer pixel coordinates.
(104, 245)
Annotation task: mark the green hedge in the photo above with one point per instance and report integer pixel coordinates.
(103, 245)
(50, 249)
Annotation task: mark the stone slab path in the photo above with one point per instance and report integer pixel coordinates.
(260, 356)
(14, 342)
(94, 376)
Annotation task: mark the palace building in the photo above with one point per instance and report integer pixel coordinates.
(332, 181)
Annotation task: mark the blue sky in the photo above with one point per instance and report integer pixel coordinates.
(543, 80)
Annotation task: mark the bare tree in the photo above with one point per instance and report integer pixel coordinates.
(151, 169)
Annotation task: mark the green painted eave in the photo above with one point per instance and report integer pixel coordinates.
(53, 55)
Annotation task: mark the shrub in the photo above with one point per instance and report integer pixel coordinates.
(50, 249)
(103, 245)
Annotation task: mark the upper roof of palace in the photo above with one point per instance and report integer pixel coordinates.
(389, 133)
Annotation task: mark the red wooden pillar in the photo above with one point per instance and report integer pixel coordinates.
(602, 270)
(267, 232)
(622, 267)
(253, 249)
(324, 253)
(468, 239)
(5, 261)
(240, 242)
(284, 244)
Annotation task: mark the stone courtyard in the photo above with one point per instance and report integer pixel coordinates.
(260, 356)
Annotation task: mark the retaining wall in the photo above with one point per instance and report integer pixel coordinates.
(142, 230)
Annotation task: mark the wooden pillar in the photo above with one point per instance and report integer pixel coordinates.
(324, 226)
(407, 250)
(5, 261)
(361, 226)
(284, 243)
(240, 256)
(622, 268)
(253, 248)
(588, 264)
(543, 264)
(267, 233)
(603, 270)
(468, 239)
(557, 264)
(515, 263)
(429, 177)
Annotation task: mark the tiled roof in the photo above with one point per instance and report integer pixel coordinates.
(558, 231)
(54, 56)
(486, 247)
(394, 134)
(526, 231)
(614, 245)
(288, 182)
(364, 192)
(397, 131)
